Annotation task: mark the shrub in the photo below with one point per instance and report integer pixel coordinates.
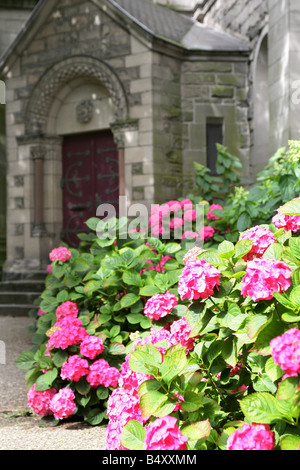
(232, 382)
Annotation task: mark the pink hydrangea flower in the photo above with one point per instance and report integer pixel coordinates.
(40, 312)
(91, 346)
(60, 254)
(74, 368)
(261, 238)
(180, 334)
(192, 253)
(287, 222)
(186, 204)
(175, 223)
(130, 380)
(174, 206)
(189, 234)
(264, 277)
(67, 309)
(198, 280)
(210, 215)
(66, 332)
(101, 373)
(157, 230)
(164, 434)
(252, 437)
(122, 406)
(39, 401)
(286, 352)
(62, 404)
(160, 305)
(206, 233)
(190, 214)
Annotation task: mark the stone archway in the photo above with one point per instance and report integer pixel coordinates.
(44, 142)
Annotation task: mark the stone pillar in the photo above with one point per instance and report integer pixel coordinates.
(284, 83)
(38, 154)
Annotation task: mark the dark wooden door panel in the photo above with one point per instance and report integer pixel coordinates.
(90, 178)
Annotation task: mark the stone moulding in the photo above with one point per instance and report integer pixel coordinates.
(60, 74)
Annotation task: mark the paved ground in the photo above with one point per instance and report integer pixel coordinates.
(17, 430)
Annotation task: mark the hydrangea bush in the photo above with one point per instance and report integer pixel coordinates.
(93, 302)
(174, 348)
(230, 379)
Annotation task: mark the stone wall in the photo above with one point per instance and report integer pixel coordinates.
(214, 87)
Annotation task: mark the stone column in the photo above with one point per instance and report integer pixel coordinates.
(38, 154)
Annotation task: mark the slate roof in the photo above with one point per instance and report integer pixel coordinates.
(171, 26)
(155, 20)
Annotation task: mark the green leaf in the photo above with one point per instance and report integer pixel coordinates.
(291, 207)
(132, 278)
(59, 357)
(149, 290)
(283, 300)
(172, 248)
(198, 430)
(289, 442)
(45, 381)
(145, 359)
(242, 248)
(92, 286)
(94, 416)
(151, 401)
(82, 386)
(129, 299)
(174, 363)
(273, 370)
(274, 251)
(294, 296)
(80, 265)
(133, 435)
(256, 324)
(262, 407)
(287, 388)
(26, 360)
(92, 223)
(214, 350)
(244, 222)
(226, 249)
(192, 401)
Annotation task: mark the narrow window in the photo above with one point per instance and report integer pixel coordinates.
(214, 135)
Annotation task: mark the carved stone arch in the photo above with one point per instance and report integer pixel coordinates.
(59, 75)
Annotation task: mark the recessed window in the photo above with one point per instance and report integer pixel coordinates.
(214, 135)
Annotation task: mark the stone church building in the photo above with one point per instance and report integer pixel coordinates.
(109, 98)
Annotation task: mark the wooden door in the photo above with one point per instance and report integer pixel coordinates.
(90, 178)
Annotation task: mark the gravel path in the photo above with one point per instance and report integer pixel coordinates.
(20, 430)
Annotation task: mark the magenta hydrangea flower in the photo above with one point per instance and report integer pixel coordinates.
(264, 277)
(252, 437)
(261, 238)
(287, 222)
(198, 280)
(65, 333)
(62, 404)
(101, 373)
(39, 401)
(189, 234)
(206, 233)
(180, 334)
(67, 309)
(286, 352)
(74, 368)
(192, 253)
(190, 214)
(160, 305)
(122, 406)
(91, 346)
(175, 223)
(164, 434)
(210, 215)
(60, 254)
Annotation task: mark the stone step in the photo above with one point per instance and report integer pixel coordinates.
(22, 286)
(15, 310)
(25, 276)
(18, 298)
